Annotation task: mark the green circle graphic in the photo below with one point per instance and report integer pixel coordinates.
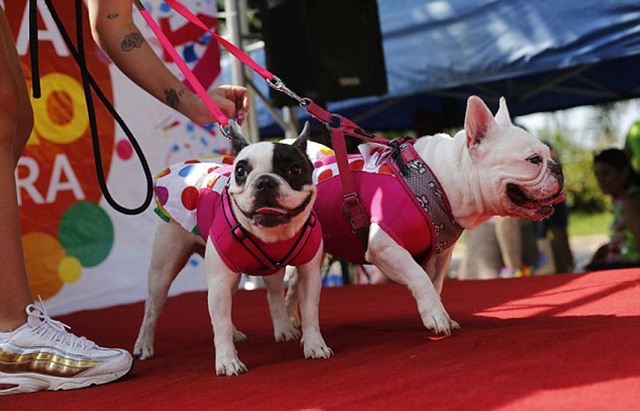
(86, 233)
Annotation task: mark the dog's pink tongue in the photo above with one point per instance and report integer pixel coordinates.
(270, 210)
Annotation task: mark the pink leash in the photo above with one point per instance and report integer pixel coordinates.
(190, 77)
(337, 125)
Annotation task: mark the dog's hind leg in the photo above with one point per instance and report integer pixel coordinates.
(283, 328)
(238, 336)
(172, 247)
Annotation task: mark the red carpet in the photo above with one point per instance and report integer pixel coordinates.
(564, 342)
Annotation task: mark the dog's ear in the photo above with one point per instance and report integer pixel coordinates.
(502, 117)
(478, 120)
(301, 141)
(238, 142)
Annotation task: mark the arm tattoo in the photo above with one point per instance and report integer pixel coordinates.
(113, 15)
(131, 41)
(172, 98)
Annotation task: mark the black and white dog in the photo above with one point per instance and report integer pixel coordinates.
(249, 215)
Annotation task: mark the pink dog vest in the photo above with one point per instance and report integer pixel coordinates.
(194, 194)
(413, 209)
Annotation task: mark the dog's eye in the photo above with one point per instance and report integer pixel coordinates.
(241, 171)
(295, 170)
(535, 159)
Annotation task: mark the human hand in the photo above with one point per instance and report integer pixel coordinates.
(233, 101)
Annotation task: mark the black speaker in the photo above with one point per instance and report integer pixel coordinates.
(326, 50)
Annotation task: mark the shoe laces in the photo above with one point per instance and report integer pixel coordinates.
(52, 329)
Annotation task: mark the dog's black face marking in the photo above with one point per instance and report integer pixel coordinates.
(293, 165)
(241, 172)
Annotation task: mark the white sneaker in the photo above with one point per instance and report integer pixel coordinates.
(43, 355)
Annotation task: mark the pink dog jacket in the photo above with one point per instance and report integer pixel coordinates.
(194, 194)
(413, 209)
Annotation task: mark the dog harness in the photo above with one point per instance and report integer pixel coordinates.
(399, 192)
(194, 194)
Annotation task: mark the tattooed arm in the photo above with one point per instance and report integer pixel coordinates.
(116, 34)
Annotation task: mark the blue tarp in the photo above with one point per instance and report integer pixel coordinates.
(542, 55)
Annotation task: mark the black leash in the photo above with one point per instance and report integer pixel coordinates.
(88, 83)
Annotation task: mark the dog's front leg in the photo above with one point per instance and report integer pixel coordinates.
(283, 328)
(396, 262)
(222, 282)
(438, 266)
(292, 300)
(309, 286)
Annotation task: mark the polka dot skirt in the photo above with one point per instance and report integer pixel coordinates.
(177, 188)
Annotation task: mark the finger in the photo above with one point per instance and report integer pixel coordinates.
(242, 106)
(227, 107)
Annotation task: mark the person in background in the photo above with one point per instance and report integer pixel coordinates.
(36, 352)
(556, 229)
(617, 178)
(501, 247)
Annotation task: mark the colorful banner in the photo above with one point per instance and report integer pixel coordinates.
(81, 253)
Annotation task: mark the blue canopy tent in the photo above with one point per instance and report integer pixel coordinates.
(542, 55)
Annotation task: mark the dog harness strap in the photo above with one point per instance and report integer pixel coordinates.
(427, 190)
(243, 237)
(351, 206)
(268, 265)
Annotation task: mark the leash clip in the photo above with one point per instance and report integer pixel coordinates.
(225, 130)
(277, 84)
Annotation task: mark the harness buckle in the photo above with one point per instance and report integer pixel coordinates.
(355, 213)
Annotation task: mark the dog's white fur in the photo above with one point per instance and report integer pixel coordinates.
(475, 167)
(173, 246)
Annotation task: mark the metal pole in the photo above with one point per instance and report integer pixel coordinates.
(235, 11)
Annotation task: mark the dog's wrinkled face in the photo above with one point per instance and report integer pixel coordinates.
(271, 186)
(515, 169)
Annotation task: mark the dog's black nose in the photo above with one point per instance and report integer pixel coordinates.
(556, 171)
(264, 183)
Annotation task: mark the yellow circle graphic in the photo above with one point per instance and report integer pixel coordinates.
(62, 96)
(70, 270)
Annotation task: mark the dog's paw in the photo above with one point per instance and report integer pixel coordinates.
(316, 349)
(238, 336)
(287, 334)
(230, 366)
(143, 351)
(440, 323)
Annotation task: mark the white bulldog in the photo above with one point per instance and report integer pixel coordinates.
(490, 168)
(253, 217)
